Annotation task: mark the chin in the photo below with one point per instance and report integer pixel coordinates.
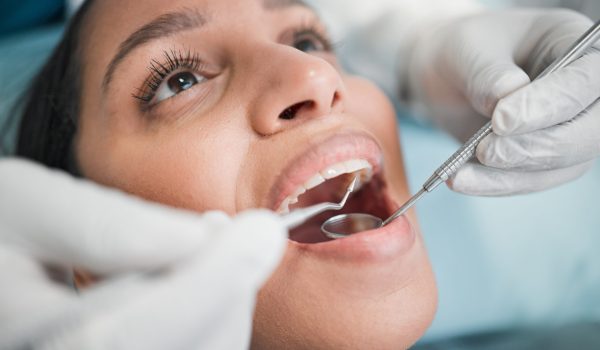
(296, 311)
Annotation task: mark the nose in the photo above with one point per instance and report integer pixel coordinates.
(296, 87)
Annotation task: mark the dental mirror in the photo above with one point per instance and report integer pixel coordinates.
(346, 224)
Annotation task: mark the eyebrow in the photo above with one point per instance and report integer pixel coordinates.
(173, 23)
(280, 4)
(163, 26)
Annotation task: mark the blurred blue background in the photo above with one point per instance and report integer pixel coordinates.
(23, 14)
(502, 264)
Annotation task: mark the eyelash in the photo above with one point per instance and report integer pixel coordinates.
(179, 60)
(173, 60)
(312, 28)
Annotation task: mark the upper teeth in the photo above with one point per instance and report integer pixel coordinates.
(335, 170)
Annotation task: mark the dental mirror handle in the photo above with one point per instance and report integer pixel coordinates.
(466, 152)
(299, 216)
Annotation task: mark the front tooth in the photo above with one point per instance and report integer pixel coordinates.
(367, 173)
(334, 171)
(354, 165)
(314, 181)
(300, 191)
(284, 208)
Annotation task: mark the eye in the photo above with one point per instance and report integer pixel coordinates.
(177, 83)
(306, 45)
(309, 41)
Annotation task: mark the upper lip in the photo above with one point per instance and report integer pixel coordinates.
(318, 155)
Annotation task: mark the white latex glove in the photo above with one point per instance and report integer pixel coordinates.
(373, 37)
(171, 279)
(546, 133)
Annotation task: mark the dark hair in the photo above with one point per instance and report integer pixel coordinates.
(51, 105)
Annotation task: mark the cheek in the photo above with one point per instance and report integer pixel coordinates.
(175, 173)
(183, 166)
(374, 110)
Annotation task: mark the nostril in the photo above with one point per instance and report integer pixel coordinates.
(290, 112)
(336, 99)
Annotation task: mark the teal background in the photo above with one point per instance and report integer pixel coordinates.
(18, 15)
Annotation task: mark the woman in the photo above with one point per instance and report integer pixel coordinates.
(233, 105)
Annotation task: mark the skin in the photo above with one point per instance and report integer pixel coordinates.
(174, 154)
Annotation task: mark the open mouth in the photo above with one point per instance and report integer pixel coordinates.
(321, 172)
(371, 197)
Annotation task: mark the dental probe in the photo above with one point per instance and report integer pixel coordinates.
(298, 216)
(466, 152)
(345, 224)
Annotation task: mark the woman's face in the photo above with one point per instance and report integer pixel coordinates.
(232, 105)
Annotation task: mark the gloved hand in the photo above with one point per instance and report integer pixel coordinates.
(470, 69)
(170, 279)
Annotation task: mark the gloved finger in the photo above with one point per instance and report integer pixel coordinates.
(29, 301)
(167, 308)
(119, 313)
(479, 180)
(189, 302)
(483, 76)
(552, 100)
(560, 146)
(68, 222)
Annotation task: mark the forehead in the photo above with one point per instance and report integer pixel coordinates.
(112, 22)
(135, 12)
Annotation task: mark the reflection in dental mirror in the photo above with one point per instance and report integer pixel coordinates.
(344, 225)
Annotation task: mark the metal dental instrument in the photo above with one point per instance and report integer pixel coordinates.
(298, 216)
(345, 224)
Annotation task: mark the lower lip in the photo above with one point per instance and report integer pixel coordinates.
(378, 245)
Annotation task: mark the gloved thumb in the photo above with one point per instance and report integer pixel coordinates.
(490, 79)
(483, 71)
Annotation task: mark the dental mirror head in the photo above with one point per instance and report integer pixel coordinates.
(344, 225)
